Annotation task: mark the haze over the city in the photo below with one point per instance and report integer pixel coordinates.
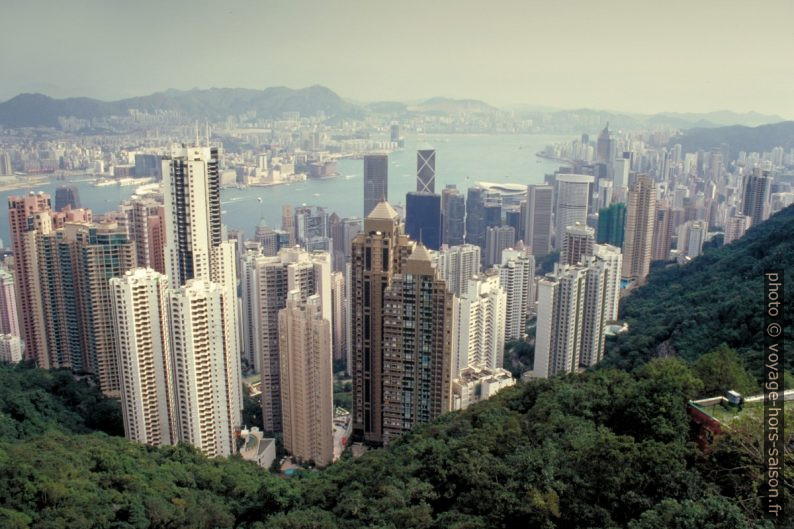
(620, 55)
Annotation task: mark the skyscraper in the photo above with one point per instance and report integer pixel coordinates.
(620, 177)
(497, 239)
(475, 217)
(73, 264)
(517, 276)
(537, 234)
(306, 379)
(265, 284)
(100, 252)
(426, 170)
(691, 236)
(202, 302)
(612, 258)
(612, 225)
(735, 227)
(26, 216)
(288, 223)
(6, 168)
(66, 196)
(559, 327)
(458, 264)
(578, 241)
(140, 315)
(192, 212)
(146, 228)
(575, 302)
(376, 180)
(10, 348)
(453, 215)
(423, 218)
(207, 399)
(755, 199)
(311, 225)
(379, 252)
(662, 234)
(640, 217)
(417, 346)
(9, 322)
(478, 335)
(342, 234)
(605, 146)
(573, 195)
(339, 316)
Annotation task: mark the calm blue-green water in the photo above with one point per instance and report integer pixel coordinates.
(460, 159)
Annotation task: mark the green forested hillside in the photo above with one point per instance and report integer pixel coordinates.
(603, 449)
(718, 298)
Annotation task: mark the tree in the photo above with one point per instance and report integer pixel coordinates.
(711, 512)
(722, 370)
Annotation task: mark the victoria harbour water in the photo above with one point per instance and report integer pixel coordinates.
(461, 159)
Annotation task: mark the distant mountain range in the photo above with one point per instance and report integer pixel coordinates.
(31, 110)
(738, 138)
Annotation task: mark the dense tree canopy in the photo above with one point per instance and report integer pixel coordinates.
(717, 298)
(603, 449)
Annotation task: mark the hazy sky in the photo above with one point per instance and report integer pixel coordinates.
(632, 55)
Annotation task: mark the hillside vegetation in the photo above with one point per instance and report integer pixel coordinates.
(718, 298)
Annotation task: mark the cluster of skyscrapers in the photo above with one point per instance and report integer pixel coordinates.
(169, 309)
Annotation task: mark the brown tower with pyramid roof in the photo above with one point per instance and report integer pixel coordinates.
(417, 346)
(378, 254)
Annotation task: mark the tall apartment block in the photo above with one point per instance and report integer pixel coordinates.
(146, 228)
(379, 253)
(26, 215)
(612, 225)
(517, 278)
(140, 313)
(735, 227)
(574, 304)
(9, 322)
(266, 282)
(306, 379)
(498, 239)
(73, 266)
(339, 316)
(640, 219)
(577, 242)
(662, 234)
(755, 198)
(479, 316)
(417, 346)
(207, 399)
(192, 212)
(458, 264)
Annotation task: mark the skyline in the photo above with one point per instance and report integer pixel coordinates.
(666, 58)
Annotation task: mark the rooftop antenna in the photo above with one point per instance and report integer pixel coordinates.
(197, 140)
(208, 132)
